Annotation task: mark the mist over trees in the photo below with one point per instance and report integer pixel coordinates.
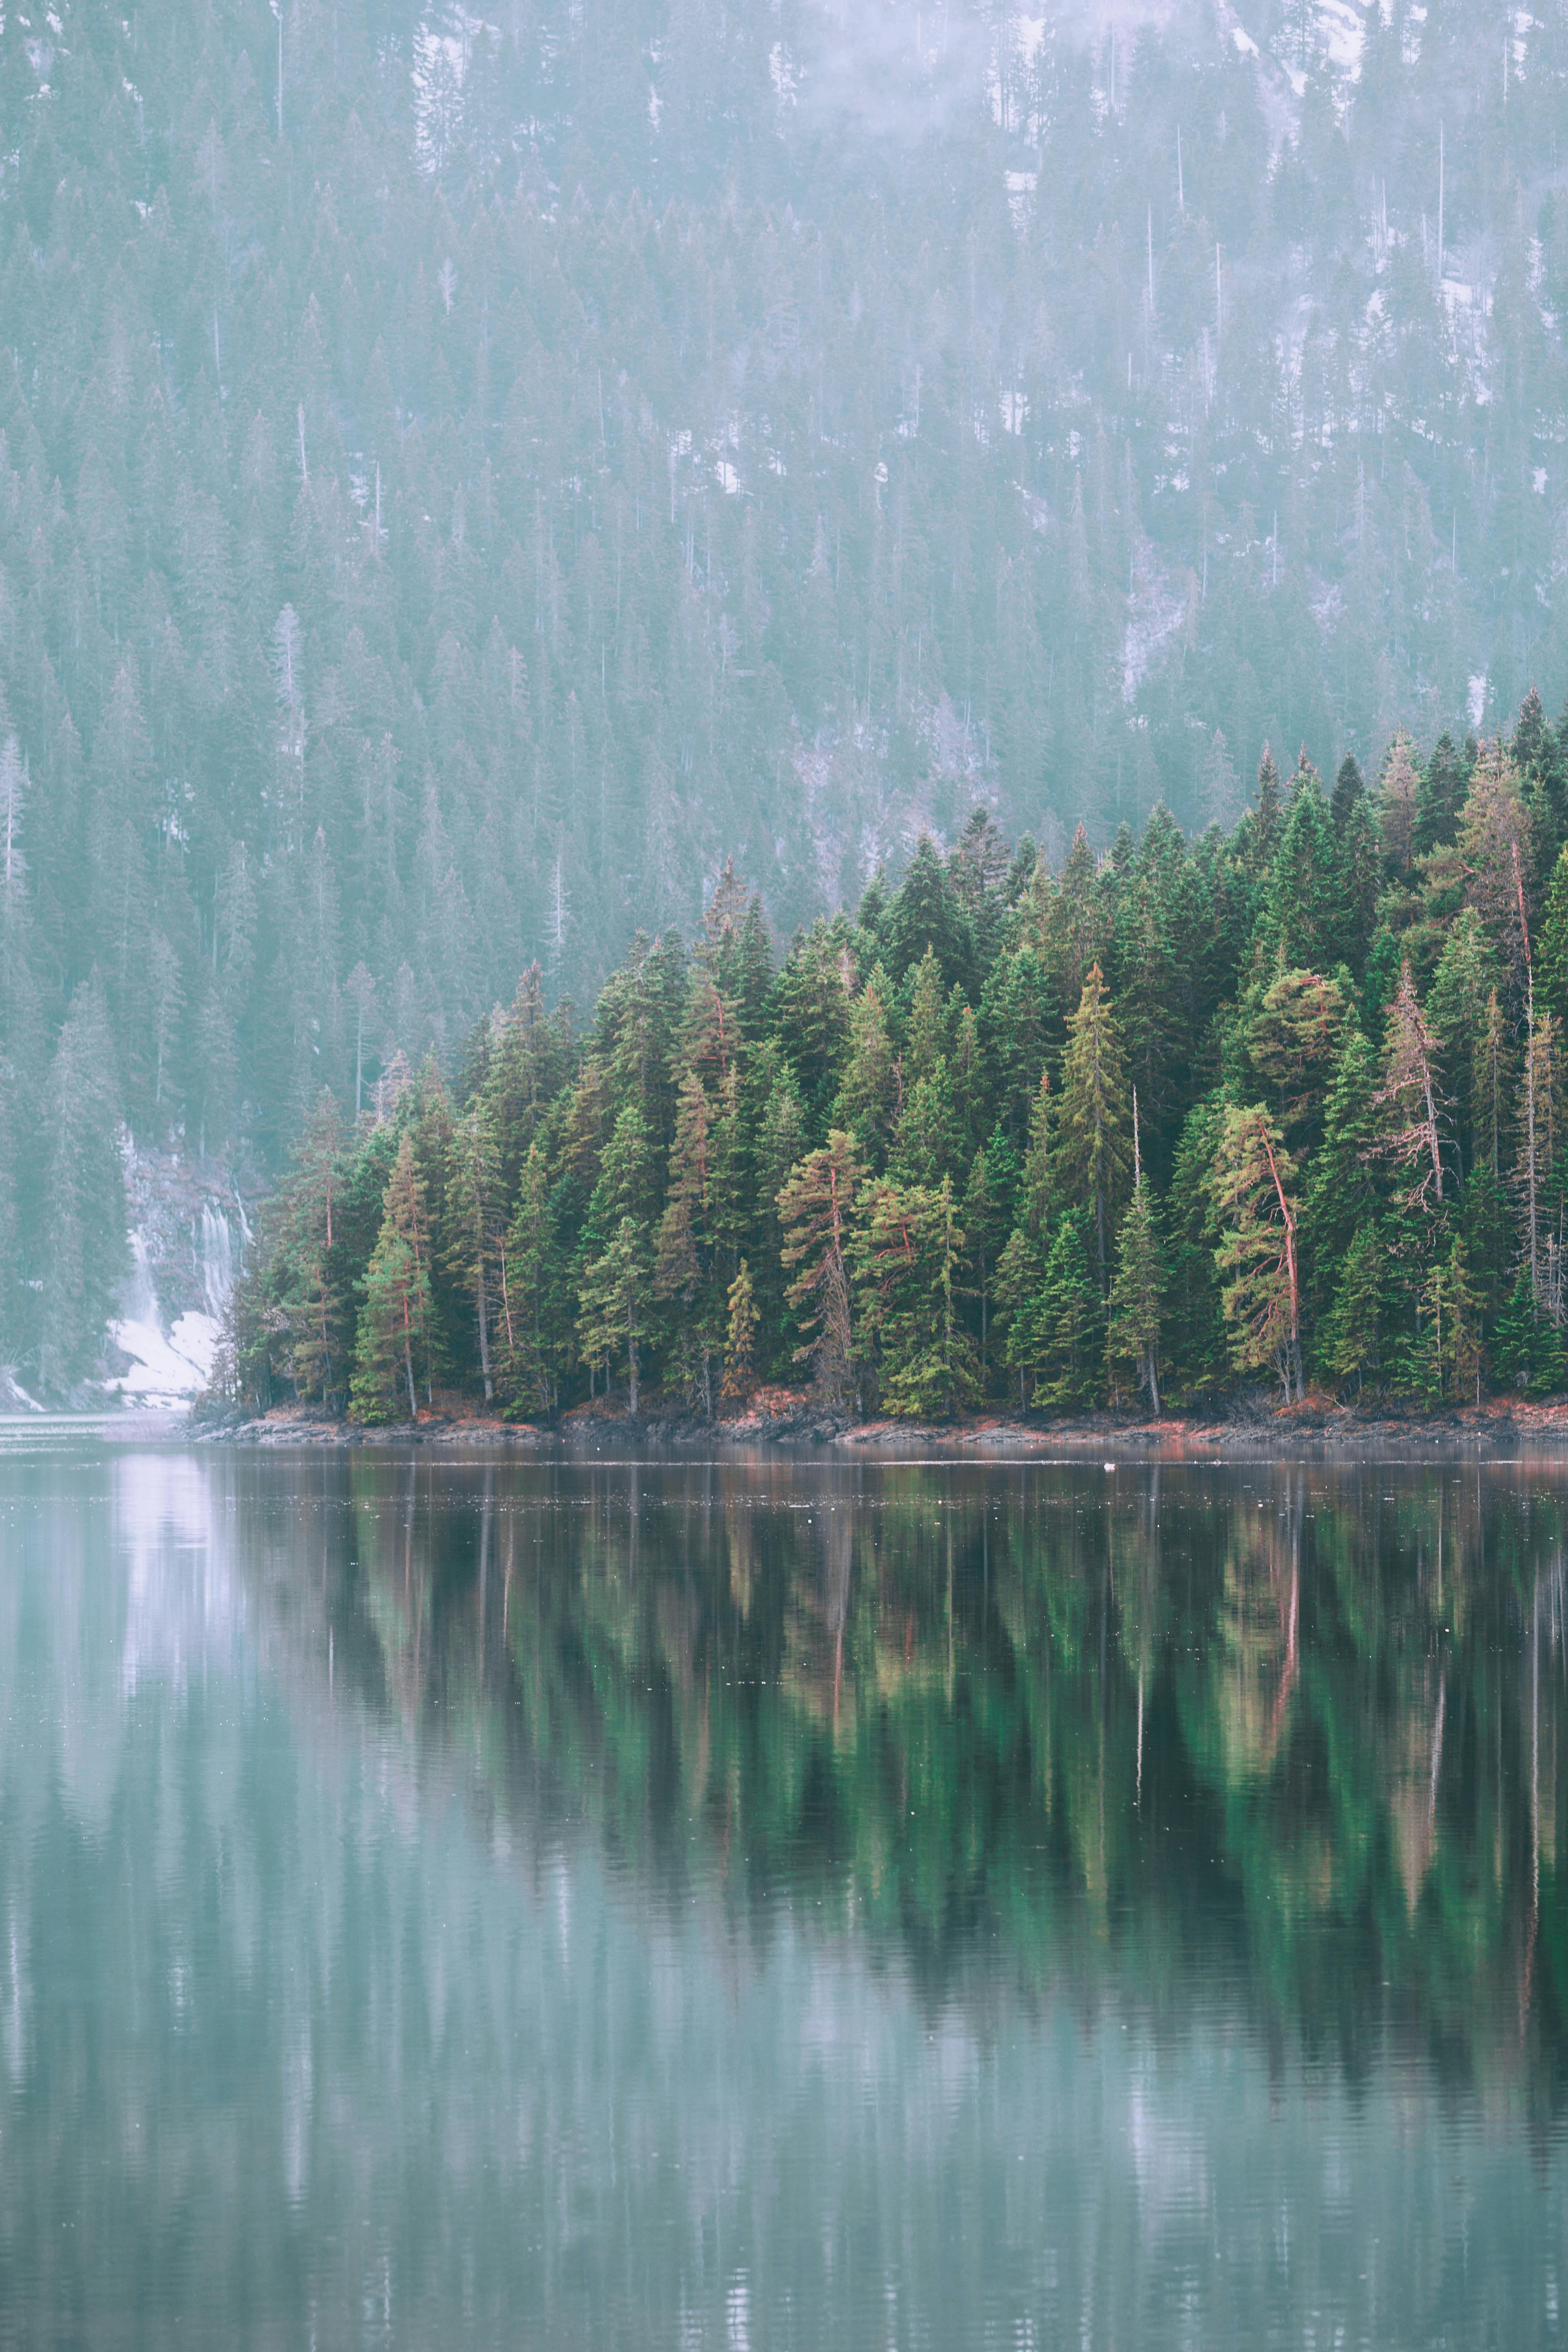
(463, 479)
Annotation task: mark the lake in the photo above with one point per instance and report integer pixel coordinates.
(455, 1901)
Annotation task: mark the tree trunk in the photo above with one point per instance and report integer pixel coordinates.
(408, 1362)
(1294, 1358)
(484, 1328)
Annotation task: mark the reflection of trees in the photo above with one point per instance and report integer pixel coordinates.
(1309, 1719)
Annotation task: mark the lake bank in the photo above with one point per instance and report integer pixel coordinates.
(787, 1420)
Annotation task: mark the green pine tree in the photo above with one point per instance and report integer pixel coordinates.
(612, 1303)
(1072, 1319)
(396, 1319)
(1132, 1336)
(1354, 1334)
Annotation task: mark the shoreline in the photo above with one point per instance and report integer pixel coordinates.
(794, 1425)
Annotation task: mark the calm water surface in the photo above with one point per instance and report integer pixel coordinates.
(767, 1905)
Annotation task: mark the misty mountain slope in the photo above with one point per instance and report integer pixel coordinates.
(466, 476)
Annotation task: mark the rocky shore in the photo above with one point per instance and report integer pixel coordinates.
(792, 1419)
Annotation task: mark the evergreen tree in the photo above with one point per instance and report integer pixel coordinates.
(1194, 1335)
(1019, 1289)
(1411, 1095)
(1134, 1334)
(909, 1260)
(867, 1103)
(1342, 1197)
(612, 1304)
(1254, 1205)
(475, 1225)
(1552, 949)
(1094, 1121)
(1440, 794)
(1353, 1338)
(986, 1213)
(533, 1309)
(397, 1319)
(1269, 803)
(1072, 1319)
(816, 1207)
(740, 1337)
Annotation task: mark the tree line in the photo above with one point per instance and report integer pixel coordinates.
(1286, 1105)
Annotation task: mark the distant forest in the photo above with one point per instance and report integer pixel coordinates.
(462, 481)
(1288, 1107)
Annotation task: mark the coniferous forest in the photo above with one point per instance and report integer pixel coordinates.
(465, 479)
(1288, 1105)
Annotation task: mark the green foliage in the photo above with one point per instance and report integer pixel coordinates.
(740, 1335)
(910, 1263)
(1094, 1151)
(1070, 1319)
(1137, 1290)
(612, 1303)
(1298, 1195)
(1255, 1210)
(1355, 1334)
(396, 1323)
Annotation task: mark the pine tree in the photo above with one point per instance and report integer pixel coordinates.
(1195, 1334)
(1447, 1355)
(1038, 1177)
(986, 1213)
(1308, 885)
(868, 1095)
(1094, 1122)
(686, 1267)
(1294, 1042)
(740, 1337)
(315, 1330)
(1399, 792)
(1354, 1332)
(612, 1302)
(1458, 1007)
(815, 1208)
(1020, 1286)
(1132, 1336)
(397, 1319)
(1341, 1195)
(534, 1311)
(1072, 1319)
(1269, 807)
(908, 1261)
(1552, 952)
(1349, 788)
(1254, 1205)
(475, 1225)
(1440, 795)
(1411, 1095)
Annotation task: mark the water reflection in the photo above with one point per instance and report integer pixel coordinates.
(773, 1904)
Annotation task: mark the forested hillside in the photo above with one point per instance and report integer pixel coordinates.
(463, 479)
(1285, 1106)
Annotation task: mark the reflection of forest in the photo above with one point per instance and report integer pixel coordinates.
(1291, 1733)
(353, 1990)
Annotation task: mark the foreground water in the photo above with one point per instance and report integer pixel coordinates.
(777, 1906)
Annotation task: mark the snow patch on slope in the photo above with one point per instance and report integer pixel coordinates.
(163, 1369)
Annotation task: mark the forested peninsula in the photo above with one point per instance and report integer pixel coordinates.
(1285, 1106)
